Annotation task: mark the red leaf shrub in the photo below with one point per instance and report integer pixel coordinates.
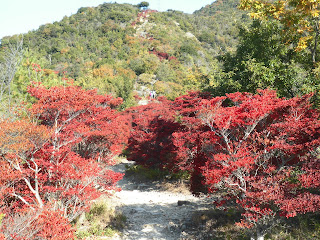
(150, 140)
(163, 133)
(162, 55)
(60, 158)
(53, 225)
(262, 154)
(191, 138)
(257, 150)
(82, 117)
(37, 224)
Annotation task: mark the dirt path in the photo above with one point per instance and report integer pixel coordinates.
(153, 213)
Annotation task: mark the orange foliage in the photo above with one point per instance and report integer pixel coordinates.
(22, 136)
(103, 71)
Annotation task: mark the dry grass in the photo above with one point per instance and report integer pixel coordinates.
(215, 224)
(164, 180)
(101, 222)
(176, 186)
(220, 225)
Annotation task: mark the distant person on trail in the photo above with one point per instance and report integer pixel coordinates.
(153, 94)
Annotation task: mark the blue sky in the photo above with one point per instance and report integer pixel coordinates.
(21, 16)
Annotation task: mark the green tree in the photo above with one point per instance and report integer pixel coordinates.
(262, 61)
(300, 19)
(165, 73)
(143, 5)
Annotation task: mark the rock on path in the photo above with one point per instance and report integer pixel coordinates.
(152, 213)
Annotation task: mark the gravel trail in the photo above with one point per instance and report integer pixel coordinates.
(152, 213)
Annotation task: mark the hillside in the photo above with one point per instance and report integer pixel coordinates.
(222, 19)
(119, 48)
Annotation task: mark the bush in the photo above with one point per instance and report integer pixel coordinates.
(257, 150)
(101, 220)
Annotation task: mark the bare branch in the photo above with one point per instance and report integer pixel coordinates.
(8, 67)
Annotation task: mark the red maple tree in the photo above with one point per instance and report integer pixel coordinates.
(257, 150)
(150, 140)
(263, 156)
(59, 159)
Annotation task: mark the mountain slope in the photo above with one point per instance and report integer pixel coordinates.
(119, 48)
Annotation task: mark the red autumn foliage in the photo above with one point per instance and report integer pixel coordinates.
(37, 224)
(262, 152)
(258, 150)
(172, 58)
(144, 14)
(191, 138)
(150, 141)
(61, 158)
(83, 118)
(159, 139)
(162, 55)
(53, 225)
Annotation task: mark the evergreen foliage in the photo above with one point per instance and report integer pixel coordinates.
(108, 47)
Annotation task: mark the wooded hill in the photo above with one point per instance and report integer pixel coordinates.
(119, 47)
(127, 51)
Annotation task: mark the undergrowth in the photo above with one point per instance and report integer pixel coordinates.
(101, 220)
(156, 174)
(302, 227)
(220, 225)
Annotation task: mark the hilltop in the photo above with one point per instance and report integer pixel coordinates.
(126, 51)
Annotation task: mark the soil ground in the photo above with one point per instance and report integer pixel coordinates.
(155, 213)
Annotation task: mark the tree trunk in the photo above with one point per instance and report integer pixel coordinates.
(259, 236)
(314, 50)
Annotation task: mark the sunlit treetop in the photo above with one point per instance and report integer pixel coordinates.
(299, 17)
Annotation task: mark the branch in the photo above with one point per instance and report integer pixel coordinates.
(35, 192)
(249, 130)
(22, 199)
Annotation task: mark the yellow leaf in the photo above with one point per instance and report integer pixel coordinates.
(315, 13)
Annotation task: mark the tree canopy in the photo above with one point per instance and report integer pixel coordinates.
(143, 5)
(300, 20)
